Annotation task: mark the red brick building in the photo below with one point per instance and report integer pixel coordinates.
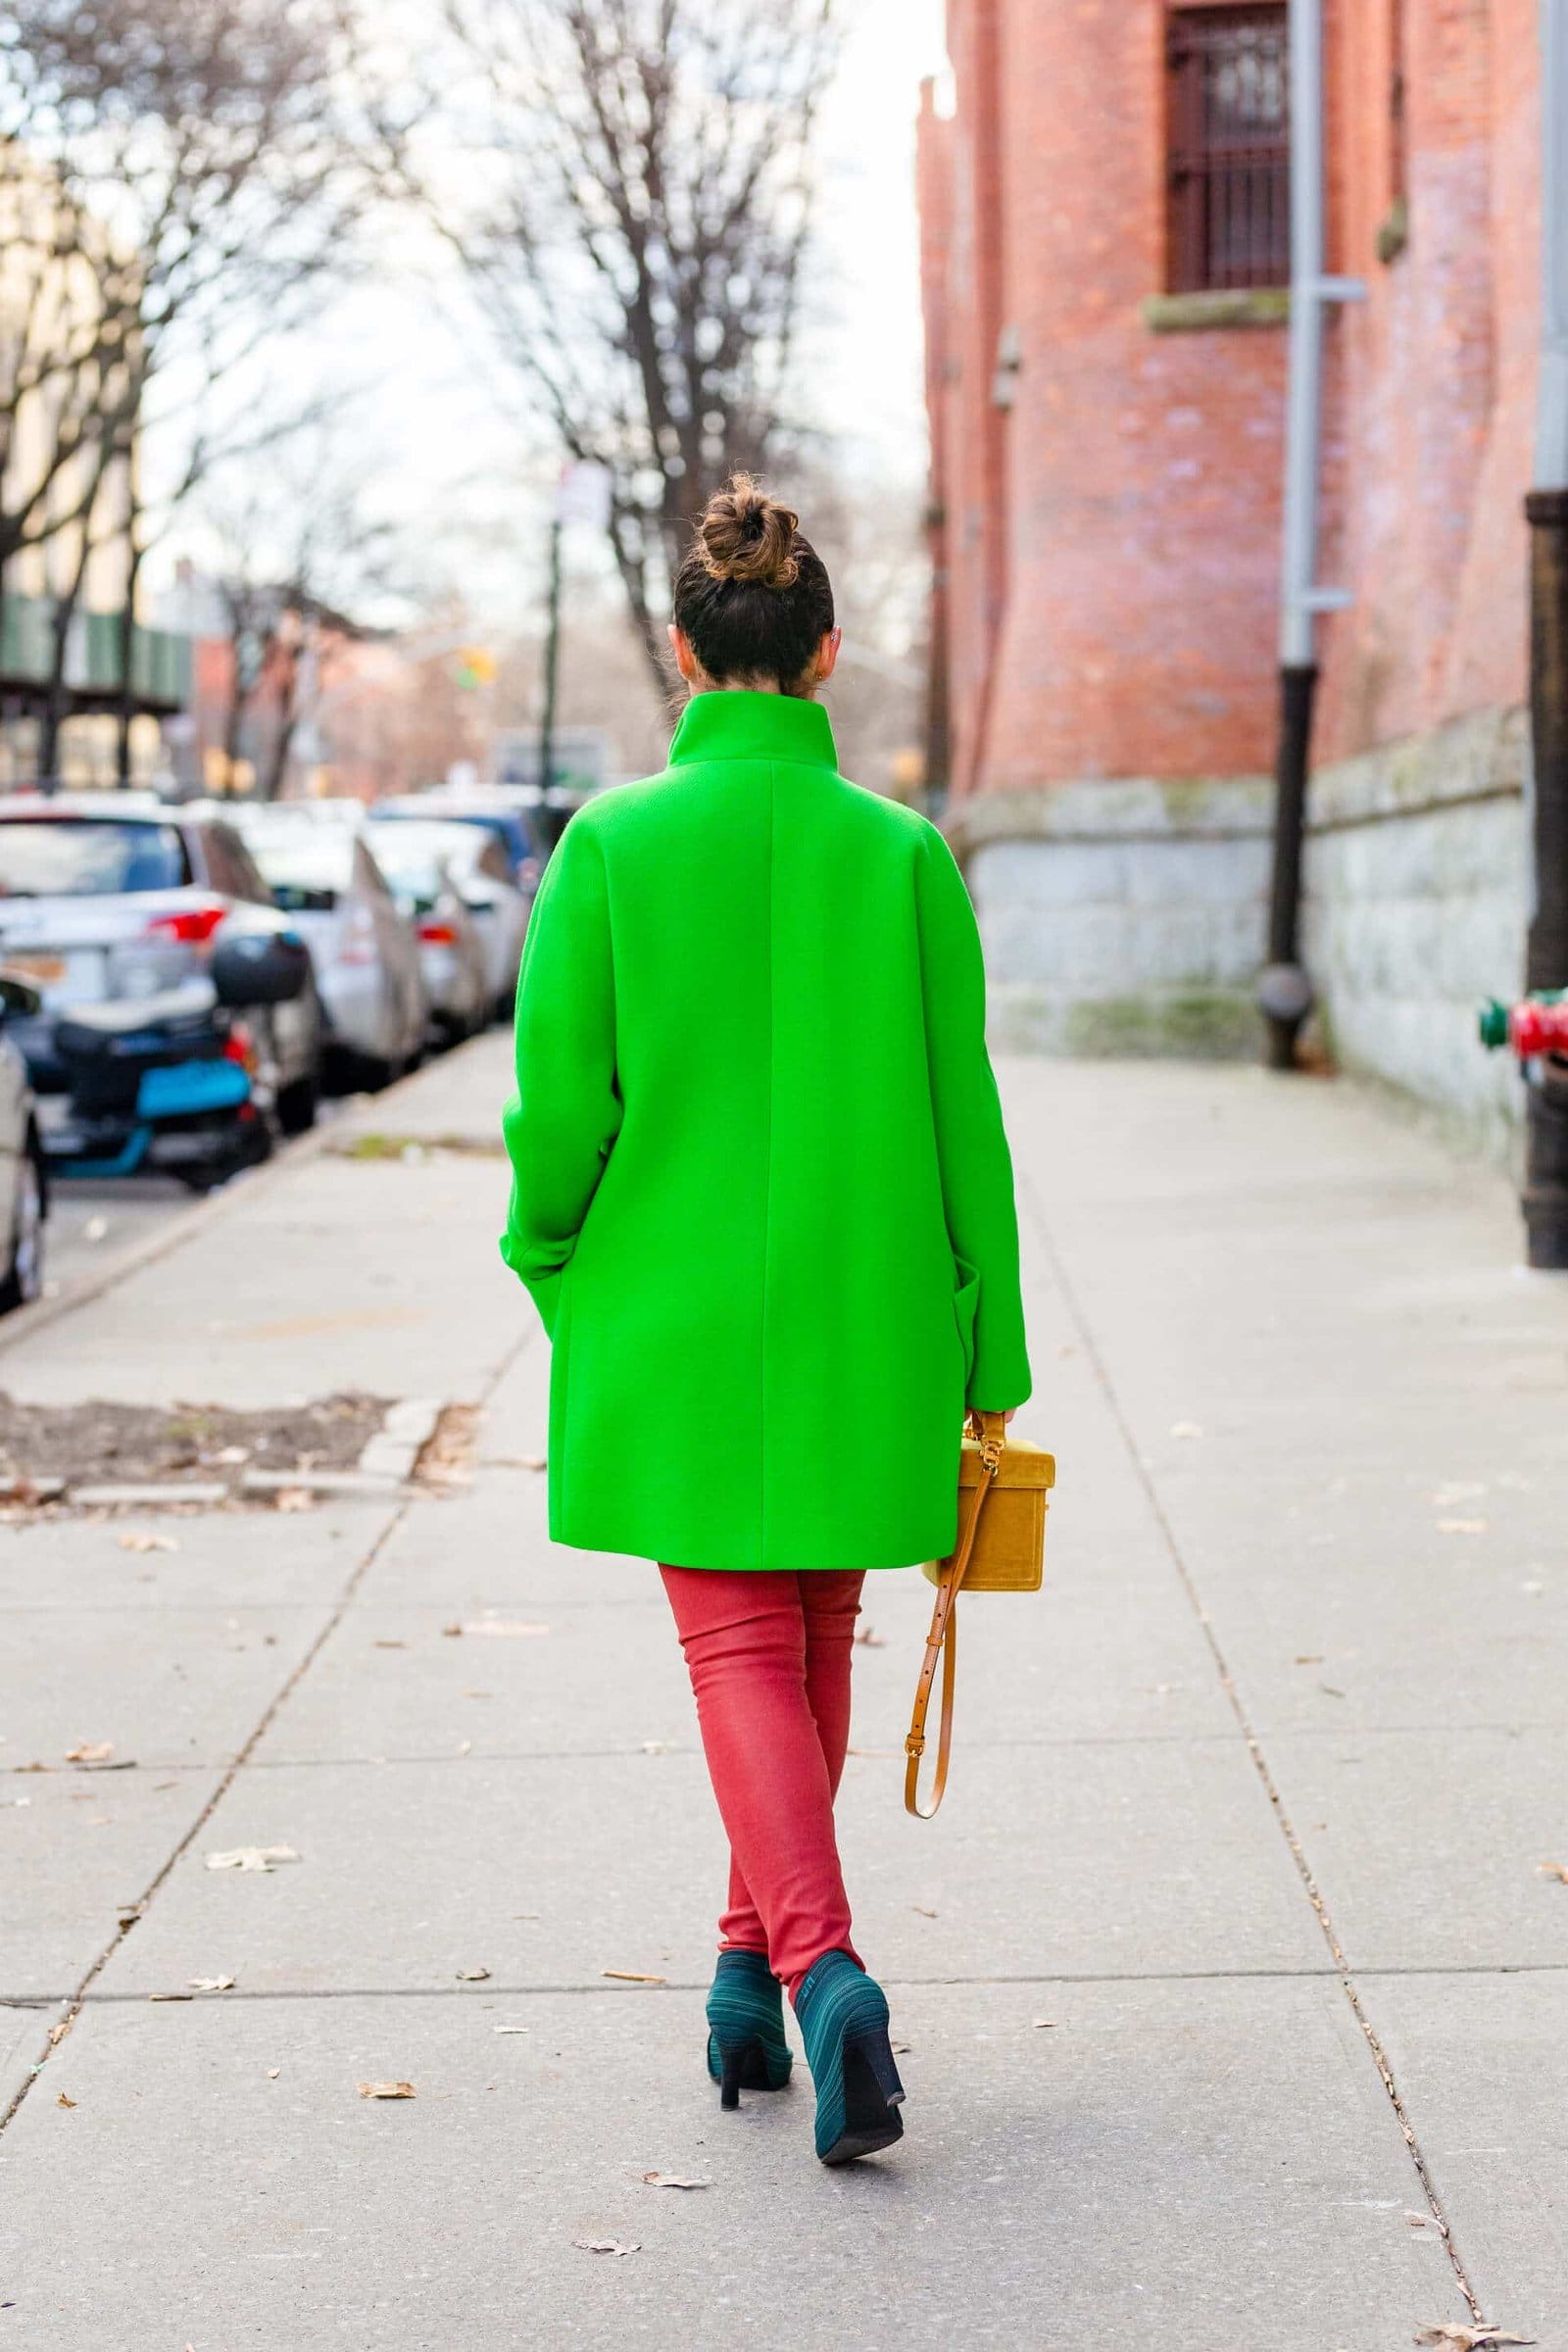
(1106, 258)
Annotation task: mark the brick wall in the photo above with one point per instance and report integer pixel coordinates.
(1109, 545)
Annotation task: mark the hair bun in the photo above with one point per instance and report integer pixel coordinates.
(746, 536)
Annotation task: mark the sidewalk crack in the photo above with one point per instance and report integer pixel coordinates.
(1254, 1747)
(132, 1913)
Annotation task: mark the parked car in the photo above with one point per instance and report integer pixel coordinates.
(515, 827)
(452, 954)
(323, 875)
(23, 1181)
(169, 1082)
(107, 897)
(481, 870)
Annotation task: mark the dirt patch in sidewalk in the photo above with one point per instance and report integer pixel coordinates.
(100, 1444)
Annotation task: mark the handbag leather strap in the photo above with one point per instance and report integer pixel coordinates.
(941, 1642)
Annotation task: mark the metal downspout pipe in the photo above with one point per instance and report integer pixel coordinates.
(1284, 991)
(1545, 1192)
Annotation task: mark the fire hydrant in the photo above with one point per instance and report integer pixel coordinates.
(1537, 1031)
(1536, 1026)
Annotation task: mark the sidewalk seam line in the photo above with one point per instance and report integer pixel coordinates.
(132, 1915)
(1261, 1765)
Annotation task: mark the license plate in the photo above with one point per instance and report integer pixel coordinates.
(46, 970)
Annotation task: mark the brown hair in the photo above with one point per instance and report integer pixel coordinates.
(752, 595)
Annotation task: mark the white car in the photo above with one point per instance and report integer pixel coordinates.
(482, 871)
(452, 949)
(110, 897)
(323, 873)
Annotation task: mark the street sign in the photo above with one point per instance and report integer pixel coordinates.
(583, 494)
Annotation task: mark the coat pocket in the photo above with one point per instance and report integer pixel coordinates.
(545, 1290)
(965, 1302)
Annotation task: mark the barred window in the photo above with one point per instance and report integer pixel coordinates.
(1229, 148)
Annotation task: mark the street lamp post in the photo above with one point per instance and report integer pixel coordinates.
(1545, 1194)
(547, 723)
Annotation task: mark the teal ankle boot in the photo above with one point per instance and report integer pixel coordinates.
(843, 2017)
(746, 2045)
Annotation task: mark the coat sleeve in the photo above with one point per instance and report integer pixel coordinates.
(971, 1142)
(563, 1120)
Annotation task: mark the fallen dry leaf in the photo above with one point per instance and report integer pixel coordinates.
(632, 1975)
(604, 2245)
(272, 2073)
(1045, 2025)
(508, 2029)
(1554, 1870)
(57, 2034)
(1457, 2338)
(452, 1632)
(1462, 1527)
(473, 1975)
(90, 1751)
(674, 2180)
(1311, 1657)
(170, 1996)
(869, 1638)
(656, 1747)
(252, 1857)
(512, 1629)
(532, 1462)
(923, 1912)
(210, 1984)
(293, 1498)
(141, 1539)
(63, 2101)
(387, 2090)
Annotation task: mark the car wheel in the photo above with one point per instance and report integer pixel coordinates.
(24, 1275)
(298, 1103)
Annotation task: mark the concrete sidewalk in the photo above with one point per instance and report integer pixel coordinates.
(1234, 1987)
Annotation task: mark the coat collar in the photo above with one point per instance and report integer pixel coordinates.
(755, 727)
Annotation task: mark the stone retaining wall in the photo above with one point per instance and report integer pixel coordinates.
(1129, 918)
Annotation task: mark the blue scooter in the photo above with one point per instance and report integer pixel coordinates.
(171, 1082)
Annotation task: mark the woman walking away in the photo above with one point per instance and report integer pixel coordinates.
(764, 1202)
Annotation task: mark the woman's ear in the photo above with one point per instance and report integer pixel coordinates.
(685, 658)
(827, 655)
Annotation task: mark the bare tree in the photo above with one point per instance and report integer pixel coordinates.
(208, 161)
(638, 243)
(301, 558)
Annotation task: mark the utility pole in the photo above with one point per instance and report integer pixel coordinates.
(1284, 991)
(1545, 1194)
(547, 725)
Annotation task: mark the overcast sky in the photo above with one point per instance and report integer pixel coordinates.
(442, 433)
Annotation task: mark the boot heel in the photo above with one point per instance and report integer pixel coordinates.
(876, 2052)
(732, 2074)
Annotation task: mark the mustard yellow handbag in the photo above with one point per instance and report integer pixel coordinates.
(1003, 1486)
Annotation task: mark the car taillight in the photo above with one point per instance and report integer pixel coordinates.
(437, 935)
(191, 927)
(240, 1046)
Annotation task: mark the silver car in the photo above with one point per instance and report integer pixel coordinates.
(483, 873)
(323, 874)
(114, 895)
(452, 949)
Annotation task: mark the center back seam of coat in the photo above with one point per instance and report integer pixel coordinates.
(767, 1179)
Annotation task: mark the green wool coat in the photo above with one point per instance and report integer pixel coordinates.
(761, 1193)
